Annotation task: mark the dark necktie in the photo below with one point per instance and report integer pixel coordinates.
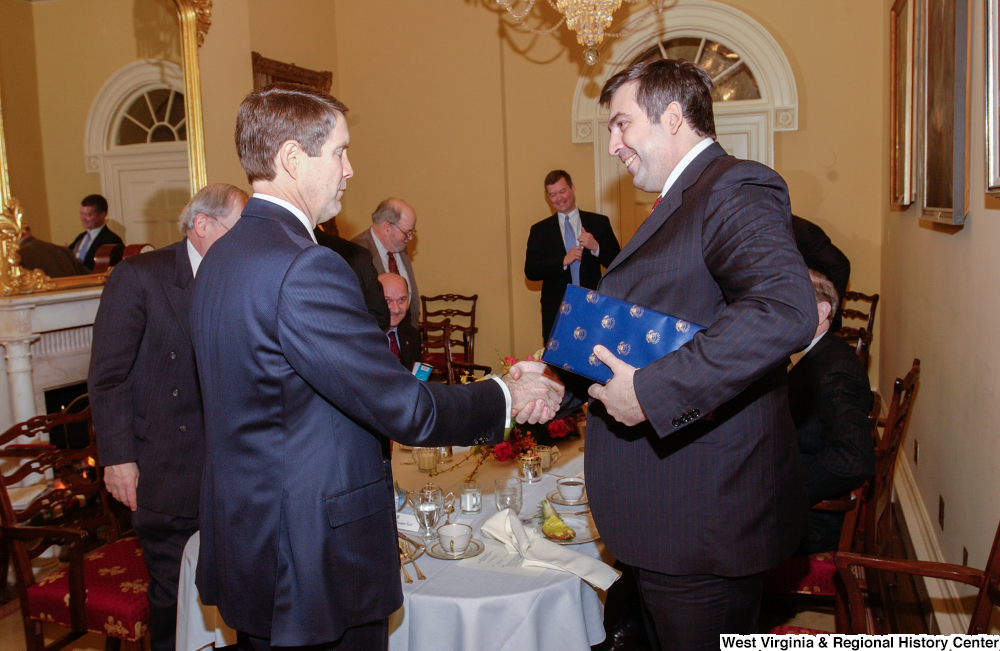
(393, 267)
(569, 241)
(393, 345)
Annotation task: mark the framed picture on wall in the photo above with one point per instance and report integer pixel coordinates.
(945, 44)
(992, 99)
(902, 112)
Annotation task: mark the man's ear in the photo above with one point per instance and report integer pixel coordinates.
(824, 310)
(672, 118)
(289, 156)
(201, 224)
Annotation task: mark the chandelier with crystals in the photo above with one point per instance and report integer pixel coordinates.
(588, 18)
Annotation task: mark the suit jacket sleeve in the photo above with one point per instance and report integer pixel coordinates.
(821, 254)
(328, 339)
(770, 307)
(847, 457)
(542, 261)
(371, 288)
(605, 236)
(118, 332)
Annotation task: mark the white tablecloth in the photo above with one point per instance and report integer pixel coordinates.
(456, 608)
(198, 626)
(464, 608)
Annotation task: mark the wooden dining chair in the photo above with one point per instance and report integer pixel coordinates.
(863, 345)
(463, 331)
(103, 588)
(863, 309)
(868, 606)
(815, 576)
(435, 350)
(873, 531)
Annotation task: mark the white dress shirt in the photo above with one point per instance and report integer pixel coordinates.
(577, 225)
(681, 166)
(194, 257)
(301, 216)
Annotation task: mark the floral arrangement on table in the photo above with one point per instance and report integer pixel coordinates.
(524, 437)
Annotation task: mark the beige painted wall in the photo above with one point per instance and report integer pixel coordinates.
(939, 293)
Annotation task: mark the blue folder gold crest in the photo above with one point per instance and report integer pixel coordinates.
(636, 334)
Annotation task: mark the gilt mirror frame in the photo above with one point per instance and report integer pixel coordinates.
(195, 21)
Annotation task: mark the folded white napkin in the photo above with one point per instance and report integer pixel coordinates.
(537, 551)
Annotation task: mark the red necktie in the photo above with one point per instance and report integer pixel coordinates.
(393, 345)
(393, 267)
(655, 204)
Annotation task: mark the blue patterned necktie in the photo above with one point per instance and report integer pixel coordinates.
(570, 241)
(84, 245)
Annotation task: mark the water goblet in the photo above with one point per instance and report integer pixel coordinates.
(428, 505)
(507, 494)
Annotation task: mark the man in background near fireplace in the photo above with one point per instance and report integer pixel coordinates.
(145, 396)
(96, 233)
(393, 225)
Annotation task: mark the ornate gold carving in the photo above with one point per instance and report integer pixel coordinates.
(268, 70)
(195, 19)
(15, 279)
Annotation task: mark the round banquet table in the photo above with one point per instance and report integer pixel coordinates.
(466, 608)
(456, 607)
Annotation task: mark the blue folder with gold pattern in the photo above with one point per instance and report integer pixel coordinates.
(635, 334)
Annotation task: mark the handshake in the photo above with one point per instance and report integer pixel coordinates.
(535, 397)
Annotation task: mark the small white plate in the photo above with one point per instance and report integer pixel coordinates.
(475, 548)
(583, 526)
(556, 498)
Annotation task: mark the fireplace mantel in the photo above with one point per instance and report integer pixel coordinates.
(46, 339)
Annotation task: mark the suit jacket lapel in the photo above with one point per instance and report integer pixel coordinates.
(178, 289)
(373, 249)
(670, 202)
(268, 210)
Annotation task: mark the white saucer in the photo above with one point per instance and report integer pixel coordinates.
(556, 498)
(435, 550)
(583, 526)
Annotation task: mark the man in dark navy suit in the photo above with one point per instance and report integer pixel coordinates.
(830, 397)
(96, 233)
(404, 339)
(570, 247)
(692, 466)
(298, 537)
(145, 397)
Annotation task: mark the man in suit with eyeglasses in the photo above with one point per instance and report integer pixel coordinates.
(394, 223)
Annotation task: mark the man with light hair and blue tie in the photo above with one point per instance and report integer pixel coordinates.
(570, 247)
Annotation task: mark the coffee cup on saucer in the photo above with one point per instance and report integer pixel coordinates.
(455, 538)
(570, 488)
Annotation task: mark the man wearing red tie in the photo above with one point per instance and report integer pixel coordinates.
(393, 225)
(404, 340)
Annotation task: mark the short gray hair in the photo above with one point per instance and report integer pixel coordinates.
(213, 200)
(388, 211)
(825, 293)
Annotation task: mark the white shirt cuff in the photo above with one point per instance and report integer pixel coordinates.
(507, 400)
(597, 252)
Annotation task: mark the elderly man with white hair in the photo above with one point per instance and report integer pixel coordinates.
(145, 396)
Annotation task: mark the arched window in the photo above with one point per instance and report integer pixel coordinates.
(156, 115)
(733, 79)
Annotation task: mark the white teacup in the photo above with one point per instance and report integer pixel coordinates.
(455, 538)
(571, 488)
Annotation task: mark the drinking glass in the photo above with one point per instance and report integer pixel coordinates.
(507, 494)
(472, 497)
(425, 458)
(428, 505)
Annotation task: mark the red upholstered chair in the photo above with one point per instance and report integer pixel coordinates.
(865, 599)
(463, 336)
(103, 589)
